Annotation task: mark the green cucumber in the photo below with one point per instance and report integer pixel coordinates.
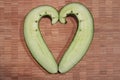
(78, 46)
(82, 38)
(34, 39)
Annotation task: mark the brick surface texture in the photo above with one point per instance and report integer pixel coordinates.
(101, 61)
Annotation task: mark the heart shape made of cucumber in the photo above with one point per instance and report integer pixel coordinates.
(78, 46)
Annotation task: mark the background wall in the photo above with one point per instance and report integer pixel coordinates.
(101, 62)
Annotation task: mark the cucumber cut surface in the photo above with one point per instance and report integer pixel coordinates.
(78, 46)
(34, 39)
(82, 38)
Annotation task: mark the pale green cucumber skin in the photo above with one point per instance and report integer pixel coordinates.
(82, 38)
(34, 39)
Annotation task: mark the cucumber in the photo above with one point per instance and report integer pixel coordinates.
(34, 39)
(82, 38)
(78, 46)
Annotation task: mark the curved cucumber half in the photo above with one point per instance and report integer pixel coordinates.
(34, 39)
(82, 38)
